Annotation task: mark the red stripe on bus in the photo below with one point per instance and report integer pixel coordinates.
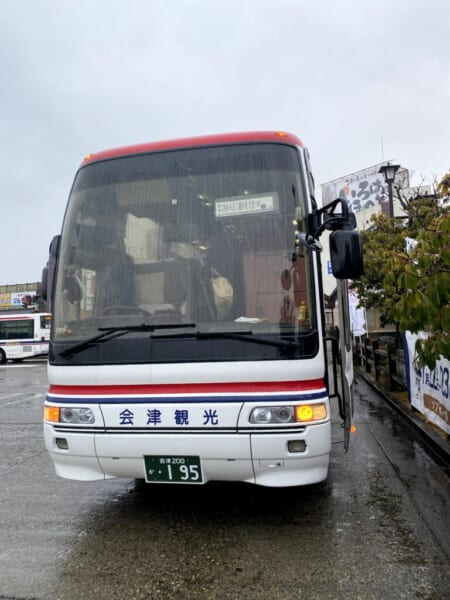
(186, 388)
(194, 142)
(11, 318)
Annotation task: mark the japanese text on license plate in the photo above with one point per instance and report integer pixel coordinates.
(173, 469)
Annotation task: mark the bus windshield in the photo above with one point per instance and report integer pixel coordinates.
(201, 240)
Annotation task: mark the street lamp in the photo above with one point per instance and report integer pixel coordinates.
(389, 171)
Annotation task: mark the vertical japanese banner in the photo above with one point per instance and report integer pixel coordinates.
(428, 390)
(357, 314)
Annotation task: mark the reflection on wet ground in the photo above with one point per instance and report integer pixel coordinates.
(219, 540)
(425, 481)
(372, 408)
(238, 541)
(377, 529)
(358, 530)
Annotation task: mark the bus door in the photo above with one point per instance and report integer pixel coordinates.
(346, 360)
(346, 263)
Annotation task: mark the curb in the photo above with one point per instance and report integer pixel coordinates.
(439, 447)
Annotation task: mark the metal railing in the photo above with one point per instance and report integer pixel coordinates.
(382, 360)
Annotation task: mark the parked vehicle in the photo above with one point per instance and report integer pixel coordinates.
(23, 334)
(188, 340)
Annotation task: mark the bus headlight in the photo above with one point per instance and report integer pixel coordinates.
(77, 415)
(70, 415)
(261, 415)
(302, 413)
(272, 414)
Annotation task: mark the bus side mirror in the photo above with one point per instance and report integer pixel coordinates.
(44, 283)
(48, 272)
(346, 254)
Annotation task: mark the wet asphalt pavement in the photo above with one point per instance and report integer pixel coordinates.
(377, 529)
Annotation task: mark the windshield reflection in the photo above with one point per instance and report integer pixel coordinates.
(201, 236)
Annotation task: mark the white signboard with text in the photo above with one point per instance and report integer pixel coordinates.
(429, 390)
(363, 189)
(357, 314)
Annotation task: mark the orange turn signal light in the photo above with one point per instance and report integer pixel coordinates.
(310, 412)
(51, 413)
(304, 413)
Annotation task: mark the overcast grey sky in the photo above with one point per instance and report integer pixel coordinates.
(358, 81)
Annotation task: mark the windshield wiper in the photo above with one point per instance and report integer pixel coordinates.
(109, 333)
(246, 336)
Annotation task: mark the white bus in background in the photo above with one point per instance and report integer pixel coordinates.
(24, 335)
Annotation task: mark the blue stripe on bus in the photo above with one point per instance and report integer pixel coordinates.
(300, 397)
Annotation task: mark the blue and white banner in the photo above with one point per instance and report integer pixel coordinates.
(428, 390)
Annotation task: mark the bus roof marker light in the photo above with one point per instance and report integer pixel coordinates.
(89, 156)
(282, 134)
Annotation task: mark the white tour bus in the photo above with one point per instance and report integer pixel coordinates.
(23, 334)
(188, 337)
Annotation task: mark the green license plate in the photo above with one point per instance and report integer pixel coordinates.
(173, 469)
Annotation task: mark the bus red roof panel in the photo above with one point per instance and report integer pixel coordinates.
(192, 142)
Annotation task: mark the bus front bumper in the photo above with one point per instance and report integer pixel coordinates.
(262, 458)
